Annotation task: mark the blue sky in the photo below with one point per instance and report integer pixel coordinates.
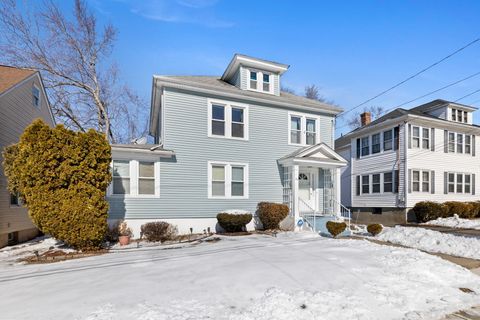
(352, 50)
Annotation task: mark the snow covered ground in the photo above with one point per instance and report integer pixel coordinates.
(293, 276)
(10, 255)
(432, 241)
(456, 222)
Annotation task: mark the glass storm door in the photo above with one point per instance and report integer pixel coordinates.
(306, 187)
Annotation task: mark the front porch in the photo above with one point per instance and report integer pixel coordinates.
(311, 184)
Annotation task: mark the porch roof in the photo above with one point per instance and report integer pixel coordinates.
(319, 155)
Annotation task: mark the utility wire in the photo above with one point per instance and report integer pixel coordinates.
(414, 75)
(468, 95)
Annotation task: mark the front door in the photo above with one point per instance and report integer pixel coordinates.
(307, 187)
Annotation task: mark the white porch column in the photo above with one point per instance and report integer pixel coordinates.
(295, 210)
(338, 190)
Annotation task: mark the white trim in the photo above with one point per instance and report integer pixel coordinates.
(228, 179)
(303, 128)
(455, 173)
(421, 181)
(134, 177)
(228, 105)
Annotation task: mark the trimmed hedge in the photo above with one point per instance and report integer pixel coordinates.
(335, 228)
(62, 177)
(271, 214)
(374, 229)
(234, 222)
(475, 209)
(158, 231)
(429, 210)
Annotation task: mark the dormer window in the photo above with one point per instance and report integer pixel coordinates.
(459, 116)
(266, 82)
(253, 80)
(260, 81)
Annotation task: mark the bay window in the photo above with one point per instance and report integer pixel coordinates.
(227, 120)
(227, 180)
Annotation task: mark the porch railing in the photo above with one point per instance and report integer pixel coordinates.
(345, 213)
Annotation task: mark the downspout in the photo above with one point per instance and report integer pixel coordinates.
(405, 168)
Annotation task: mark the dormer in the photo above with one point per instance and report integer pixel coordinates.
(248, 73)
(447, 110)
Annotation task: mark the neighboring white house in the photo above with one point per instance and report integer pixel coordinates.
(228, 142)
(407, 156)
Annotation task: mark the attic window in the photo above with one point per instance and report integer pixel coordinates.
(260, 81)
(253, 80)
(36, 96)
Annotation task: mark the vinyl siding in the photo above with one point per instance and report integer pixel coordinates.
(346, 177)
(378, 163)
(183, 180)
(16, 113)
(441, 162)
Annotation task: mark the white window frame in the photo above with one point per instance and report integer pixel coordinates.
(455, 182)
(39, 96)
(303, 128)
(228, 105)
(260, 80)
(391, 182)
(421, 181)
(455, 142)
(228, 179)
(134, 176)
(364, 184)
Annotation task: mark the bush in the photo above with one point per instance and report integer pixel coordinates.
(234, 222)
(62, 177)
(335, 228)
(271, 214)
(428, 210)
(475, 209)
(158, 231)
(462, 209)
(374, 228)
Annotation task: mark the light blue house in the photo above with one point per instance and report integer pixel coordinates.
(225, 143)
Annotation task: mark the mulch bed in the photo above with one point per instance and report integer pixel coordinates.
(51, 256)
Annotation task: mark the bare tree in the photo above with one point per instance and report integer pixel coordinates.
(313, 92)
(287, 90)
(354, 121)
(72, 56)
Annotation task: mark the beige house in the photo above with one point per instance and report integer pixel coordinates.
(22, 99)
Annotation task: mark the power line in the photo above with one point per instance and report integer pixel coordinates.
(425, 95)
(468, 95)
(415, 75)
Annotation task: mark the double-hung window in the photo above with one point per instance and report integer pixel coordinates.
(416, 137)
(266, 82)
(253, 80)
(303, 129)
(227, 180)
(468, 144)
(227, 120)
(36, 96)
(365, 146)
(387, 182)
(467, 186)
(451, 142)
(387, 140)
(459, 183)
(459, 143)
(376, 143)
(454, 114)
(420, 181)
(121, 177)
(451, 183)
(311, 131)
(376, 183)
(366, 184)
(425, 138)
(146, 178)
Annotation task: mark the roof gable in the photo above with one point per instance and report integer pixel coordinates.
(10, 76)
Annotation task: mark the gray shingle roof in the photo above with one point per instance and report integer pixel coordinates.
(215, 83)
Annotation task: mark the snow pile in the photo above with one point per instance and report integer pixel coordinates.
(41, 244)
(291, 276)
(456, 222)
(432, 241)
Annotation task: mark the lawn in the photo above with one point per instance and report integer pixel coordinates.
(292, 276)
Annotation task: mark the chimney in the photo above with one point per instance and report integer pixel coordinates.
(365, 118)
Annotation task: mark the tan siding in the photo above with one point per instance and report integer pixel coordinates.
(16, 113)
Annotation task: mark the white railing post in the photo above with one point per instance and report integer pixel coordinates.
(294, 182)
